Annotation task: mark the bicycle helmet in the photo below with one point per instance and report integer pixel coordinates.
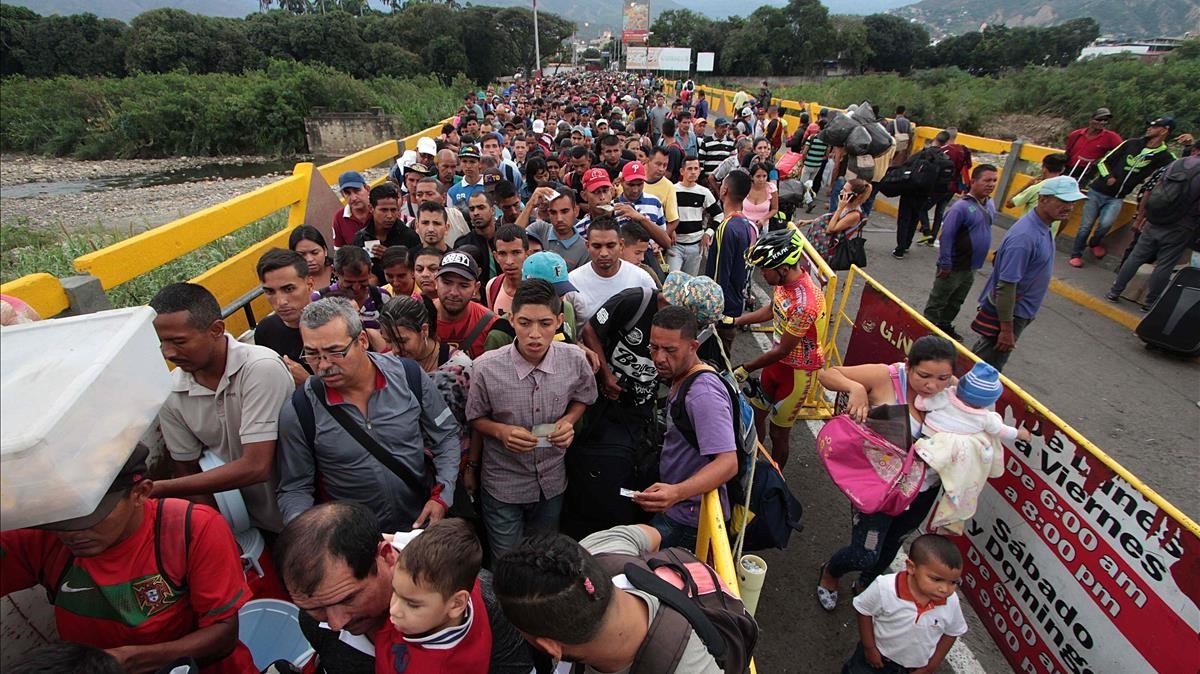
(777, 248)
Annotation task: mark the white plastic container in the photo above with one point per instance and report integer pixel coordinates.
(76, 394)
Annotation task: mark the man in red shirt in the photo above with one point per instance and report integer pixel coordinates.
(148, 580)
(357, 213)
(1090, 144)
(461, 321)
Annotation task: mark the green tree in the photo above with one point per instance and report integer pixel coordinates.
(853, 44)
(895, 42)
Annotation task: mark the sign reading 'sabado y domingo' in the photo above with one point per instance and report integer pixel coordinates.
(1071, 566)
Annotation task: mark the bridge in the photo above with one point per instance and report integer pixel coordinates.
(1117, 556)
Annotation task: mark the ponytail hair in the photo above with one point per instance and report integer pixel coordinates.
(550, 587)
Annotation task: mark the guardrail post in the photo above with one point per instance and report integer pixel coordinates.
(1010, 170)
(85, 294)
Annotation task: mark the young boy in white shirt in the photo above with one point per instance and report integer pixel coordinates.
(908, 621)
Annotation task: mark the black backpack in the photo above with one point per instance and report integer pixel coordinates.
(927, 172)
(703, 604)
(1176, 193)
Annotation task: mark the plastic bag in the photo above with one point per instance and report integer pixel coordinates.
(881, 140)
(839, 127)
(858, 141)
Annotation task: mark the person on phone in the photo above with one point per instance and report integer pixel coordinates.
(525, 399)
(875, 538)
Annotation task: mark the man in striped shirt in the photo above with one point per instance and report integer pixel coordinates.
(714, 150)
(695, 202)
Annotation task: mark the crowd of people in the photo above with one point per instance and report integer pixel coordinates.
(454, 413)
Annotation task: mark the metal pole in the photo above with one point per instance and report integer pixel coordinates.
(537, 46)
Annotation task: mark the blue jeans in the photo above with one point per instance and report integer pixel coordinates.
(508, 523)
(1097, 207)
(674, 534)
(876, 538)
(834, 191)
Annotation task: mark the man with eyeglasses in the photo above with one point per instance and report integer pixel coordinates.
(387, 399)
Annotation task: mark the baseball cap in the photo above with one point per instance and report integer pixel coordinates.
(491, 176)
(1102, 113)
(747, 111)
(349, 179)
(1062, 187)
(468, 152)
(549, 267)
(539, 126)
(579, 129)
(426, 145)
(496, 136)
(458, 262)
(601, 121)
(130, 474)
(1168, 122)
(722, 121)
(634, 170)
(596, 178)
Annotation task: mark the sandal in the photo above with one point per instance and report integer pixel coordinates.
(827, 598)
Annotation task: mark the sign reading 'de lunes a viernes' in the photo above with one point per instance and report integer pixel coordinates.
(1070, 567)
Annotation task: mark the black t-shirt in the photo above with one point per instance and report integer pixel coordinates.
(273, 334)
(628, 349)
(614, 173)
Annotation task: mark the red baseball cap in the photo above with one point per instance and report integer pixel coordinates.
(596, 178)
(634, 170)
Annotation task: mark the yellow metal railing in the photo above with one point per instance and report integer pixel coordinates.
(126, 260)
(721, 101)
(712, 544)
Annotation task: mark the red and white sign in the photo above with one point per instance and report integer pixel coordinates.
(1071, 567)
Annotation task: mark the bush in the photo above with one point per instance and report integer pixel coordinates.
(1135, 91)
(160, 115)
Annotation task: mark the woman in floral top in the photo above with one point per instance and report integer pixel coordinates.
(409, 329)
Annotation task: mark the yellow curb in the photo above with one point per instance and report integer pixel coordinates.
(1096, 304)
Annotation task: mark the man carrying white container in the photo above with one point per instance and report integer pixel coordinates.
(225, 398)
(148, 580)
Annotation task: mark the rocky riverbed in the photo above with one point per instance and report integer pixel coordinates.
(49, 192)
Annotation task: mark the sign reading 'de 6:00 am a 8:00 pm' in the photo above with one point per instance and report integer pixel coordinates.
(1070, 565)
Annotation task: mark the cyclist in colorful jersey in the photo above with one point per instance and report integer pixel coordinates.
(148, 580)
(790, 366)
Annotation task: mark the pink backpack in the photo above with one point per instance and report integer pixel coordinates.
(873, 473)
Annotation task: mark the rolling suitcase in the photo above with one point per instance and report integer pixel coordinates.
(1173, 323)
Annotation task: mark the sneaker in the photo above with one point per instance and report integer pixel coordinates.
(1099, 252)
(926, 240)
(898, 254)
(937, 243)
(1113, 297)
(827, 598)
(1076, 261)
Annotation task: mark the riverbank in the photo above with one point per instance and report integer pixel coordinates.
(53, 194)
(129, 194)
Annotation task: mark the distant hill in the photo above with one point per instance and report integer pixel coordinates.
(596, 14)
(127, 9)
(1128, 18)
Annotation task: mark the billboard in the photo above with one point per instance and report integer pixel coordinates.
(704, 61)
(658, 58)
(637, 23)
(1069, 561)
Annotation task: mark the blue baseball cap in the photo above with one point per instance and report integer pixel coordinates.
(550, 267)
(351, 179)
(1062, 187)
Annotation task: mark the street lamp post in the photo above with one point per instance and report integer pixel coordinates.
(537, 46)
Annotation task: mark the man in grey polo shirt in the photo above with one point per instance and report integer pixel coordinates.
(373, 390)
(225, 398)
